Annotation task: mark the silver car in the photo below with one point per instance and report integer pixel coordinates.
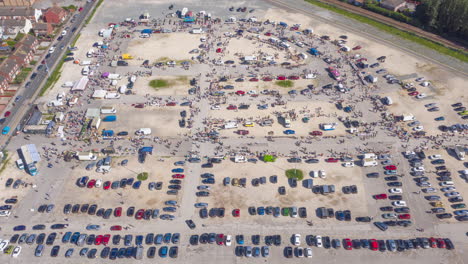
(39, 250)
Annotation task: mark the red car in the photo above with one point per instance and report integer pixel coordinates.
(98, 240)
(404, 216)
(139, 214)
(105, 239)
(281, 78)
(107, 185)
(220, 239)
(294, 28)
(316, 133)
(240, 92)
(357, 48)
(413, 93)
(219, 50)
(293, 77)
(362, 59)
(332, 160)
(381, 196)
(253, 80)
(118, 212)
(390, 167)
(7, 113)
(440, 243)
(268, 34)
(348, 245)
(433, 242)
(232, 107)
(267, 79)
(236, 212)
(116, 228)
(178, 176)
(171, 104)
(80, 9)
(374, 245)
(91, 183)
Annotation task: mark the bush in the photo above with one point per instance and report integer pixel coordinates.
(295, 173)
(285, 83)
(269, 158)
(142, 176)
(388, 13)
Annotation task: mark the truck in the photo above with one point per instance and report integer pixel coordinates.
(230, 125)
(108, 109)
(459, 152)
(143, 132)
(285, 121)
(86, 156)
(110, 118)
(328, 126)
(369, 162)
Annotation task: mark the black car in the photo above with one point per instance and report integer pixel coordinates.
(395, 197)
(347, 214)
(363, 219)
(39, 227)
(67, 208)
(151, 252)
(302, 212)
(382, 246)
(9, 182)
(390, 223)
(190, 224)
(395, 184)
(58, 226)
(282, 190)
(107, 213)
(203, 213)
(386, 208)
(381, 226)
(202, 194)
(402, 210)
(194, 240)
(105, 252)
(288, 252)
(116, 239)
(173, 252)
(373, 175)
(391, 178)
(339, 215)
(84, 208)
(11, 201)
(207, 165)
(312, 161)
(239, 251)
(92, 209)
(54, 252)
(51, 238)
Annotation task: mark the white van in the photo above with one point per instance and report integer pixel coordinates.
(20, 164)
(85, 71)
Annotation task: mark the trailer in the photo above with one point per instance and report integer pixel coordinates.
(86, 156)
(328, 126)
(143, 132)
(30, 157)
(108, 109)
(230, 125)
(369, 162)
(112, 96)
(459, 152)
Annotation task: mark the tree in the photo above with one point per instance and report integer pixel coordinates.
(269, 158)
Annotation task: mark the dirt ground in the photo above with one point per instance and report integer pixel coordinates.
(261, 85)
(156, 48)
(232, 197)
(163, 121)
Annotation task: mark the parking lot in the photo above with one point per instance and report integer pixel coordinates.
(362, 164)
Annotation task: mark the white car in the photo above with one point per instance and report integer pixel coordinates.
(418, 128)
(16, 252)
(421, 96)
(347, 164)
(436, 156)
(64, 33)
(418, 169)
(228, 241)
(446, 183)
(300, 44)
(318, 241)
(5, 213)
(452, 194)
(171, 63)
(395, 190)
(429, 190)
(51, 50)
(399, 203)
(308, 252)
(420, 79)
(98, 183)
(3, 244)
(215, 107)
(297, 239)
(252, 92)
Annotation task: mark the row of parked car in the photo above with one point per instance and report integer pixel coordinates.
(112, 253)
(139, 214)
(122, 183)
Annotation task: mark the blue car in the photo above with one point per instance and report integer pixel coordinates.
(289, 132)
(178, 170)
(240, 239)
(261, 211)
(19, 228)
(440, 118)
(167, 238)
(6, 130)
(137, 185)
(66, 237)
(163, 252)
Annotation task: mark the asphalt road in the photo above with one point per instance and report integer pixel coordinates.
(26, 95)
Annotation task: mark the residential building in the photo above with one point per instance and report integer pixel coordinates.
(43, 29)
(393, 5)
(9, 69)
(12, 27)
(17, 2)
(55, 15)
(24, 50)
(19, 13)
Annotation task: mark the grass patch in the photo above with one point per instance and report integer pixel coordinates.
(54, 76)
(6, 160)
(158, 83)
(93, 12)
(142, 176)
(295, 174)
(458, 54)
(285, 83)
(33, 62)
(22, 75)
(75, 40)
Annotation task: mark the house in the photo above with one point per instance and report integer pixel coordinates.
(12, 27)
(19, 13)
(24, 50)
(55, 15)
(17, 2)
(9, 69)
(3, 84)
(43, 29)
(393, 5)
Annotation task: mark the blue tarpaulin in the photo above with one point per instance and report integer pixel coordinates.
(147, 31)
(314, 51)
(146, 150)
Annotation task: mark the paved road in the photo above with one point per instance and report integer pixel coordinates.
(29, 91)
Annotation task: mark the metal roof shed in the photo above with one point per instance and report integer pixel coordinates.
(80, 85)
(30, 154)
